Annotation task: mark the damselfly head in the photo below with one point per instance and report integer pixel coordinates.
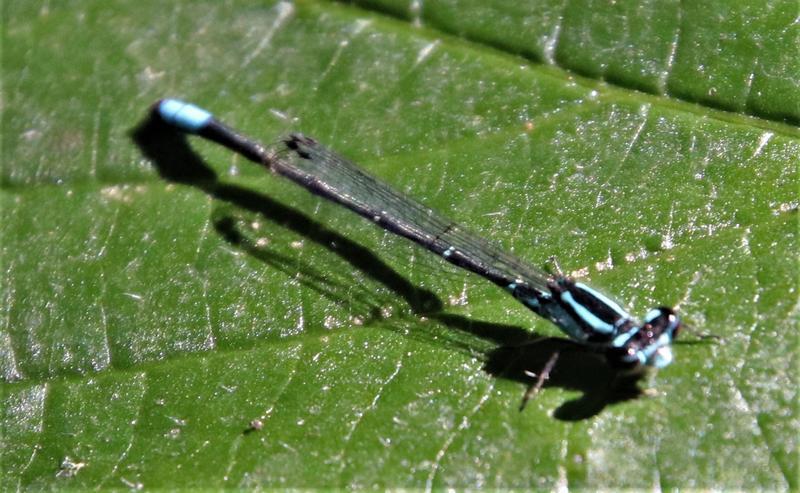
(648, 344)
(661, 327)
(663, 320)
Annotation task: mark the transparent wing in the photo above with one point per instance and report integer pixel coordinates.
(329, 175)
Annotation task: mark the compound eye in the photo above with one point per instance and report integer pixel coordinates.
(662, 357)
(678, 326)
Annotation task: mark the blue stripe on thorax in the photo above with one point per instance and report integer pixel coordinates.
(608, 302)
(586, 315)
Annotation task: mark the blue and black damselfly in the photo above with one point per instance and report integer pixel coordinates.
(584, 314)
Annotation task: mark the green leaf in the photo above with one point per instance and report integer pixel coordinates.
(177, 318)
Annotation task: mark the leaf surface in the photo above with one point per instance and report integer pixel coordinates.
(148, 318)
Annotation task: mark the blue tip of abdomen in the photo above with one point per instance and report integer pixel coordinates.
(185, 116)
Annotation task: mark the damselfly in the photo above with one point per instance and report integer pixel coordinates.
(581, 312)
